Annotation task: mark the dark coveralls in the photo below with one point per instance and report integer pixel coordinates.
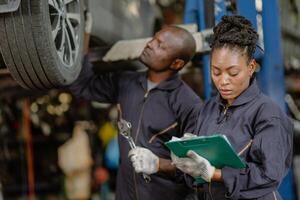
(170, 109)
(263, 136)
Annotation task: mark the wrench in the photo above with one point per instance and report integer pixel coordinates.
(125, 130)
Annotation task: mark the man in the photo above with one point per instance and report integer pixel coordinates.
(158, 105)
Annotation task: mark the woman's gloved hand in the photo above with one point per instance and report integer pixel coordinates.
(194, 165)
(188, 136)
(143, 160)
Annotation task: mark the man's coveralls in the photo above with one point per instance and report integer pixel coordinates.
(167, 110)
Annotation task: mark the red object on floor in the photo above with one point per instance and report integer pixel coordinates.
(101, 175)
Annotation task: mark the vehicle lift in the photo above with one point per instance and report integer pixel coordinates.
(207, 13)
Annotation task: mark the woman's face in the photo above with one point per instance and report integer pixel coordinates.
(231, 72)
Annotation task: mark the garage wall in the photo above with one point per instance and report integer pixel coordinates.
(290, 22)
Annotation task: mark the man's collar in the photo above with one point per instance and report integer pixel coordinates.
(168, 84)
(246, 96)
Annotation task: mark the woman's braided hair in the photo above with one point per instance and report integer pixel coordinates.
(235, 32)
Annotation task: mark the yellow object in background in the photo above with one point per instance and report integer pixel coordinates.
(107, 132)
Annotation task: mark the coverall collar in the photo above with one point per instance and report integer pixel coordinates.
(246, 96)
(169, 84)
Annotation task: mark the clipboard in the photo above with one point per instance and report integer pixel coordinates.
(215, 148)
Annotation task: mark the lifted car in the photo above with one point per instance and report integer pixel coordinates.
(41, 41)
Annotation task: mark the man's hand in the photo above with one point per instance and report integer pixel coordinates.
(194, 165)
(143, 160)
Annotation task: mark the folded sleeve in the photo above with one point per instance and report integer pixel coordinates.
(189, 117)
(269, 159)
(91, 86)
(186, 105)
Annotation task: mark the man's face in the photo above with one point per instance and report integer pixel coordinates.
(231, 72)
(159, 53)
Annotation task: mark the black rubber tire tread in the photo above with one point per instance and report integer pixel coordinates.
(40, 33)
(7, 56)
(28, 48)
(61, 75)
(14, 48)
(24, 12)
(23, 50)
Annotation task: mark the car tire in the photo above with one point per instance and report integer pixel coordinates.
(42, 42)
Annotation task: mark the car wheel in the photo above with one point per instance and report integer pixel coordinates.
(42, 42)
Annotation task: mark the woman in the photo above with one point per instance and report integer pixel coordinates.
(255, 126)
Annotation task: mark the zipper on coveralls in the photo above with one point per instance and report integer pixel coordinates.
(224, 113)
(141, 116)
(223, 118)
(209, 190)
(136, 136)
(226, 108)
